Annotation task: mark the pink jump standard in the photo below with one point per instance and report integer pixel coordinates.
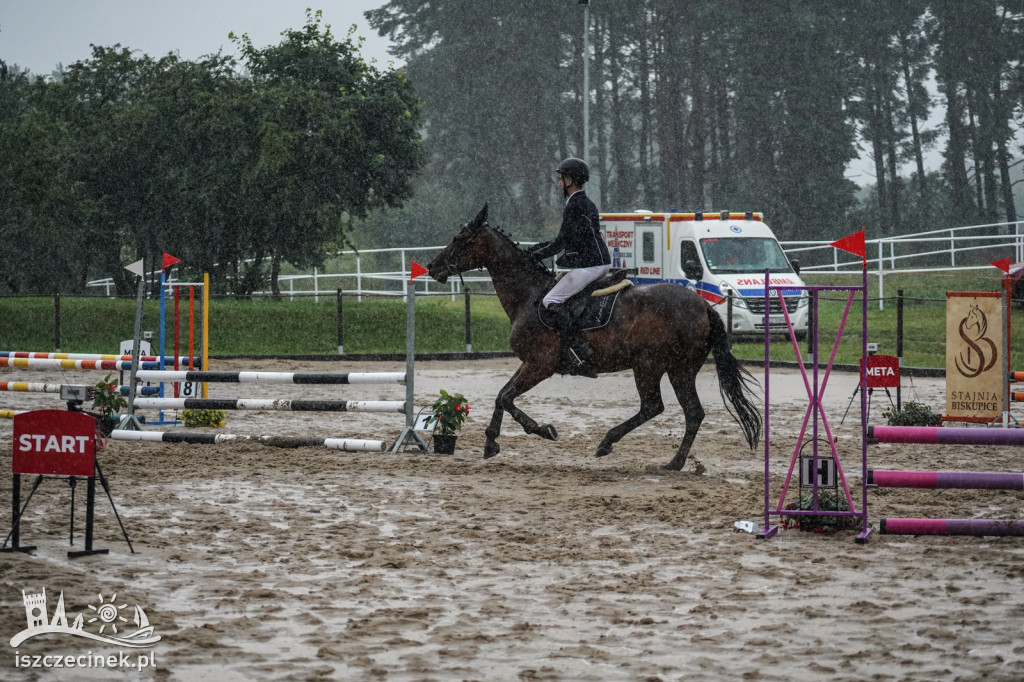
(815, 386)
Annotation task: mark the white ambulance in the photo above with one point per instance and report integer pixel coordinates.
(717, 254)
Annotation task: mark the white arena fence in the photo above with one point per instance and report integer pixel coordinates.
(385, 272)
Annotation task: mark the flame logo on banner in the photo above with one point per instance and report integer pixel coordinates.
(973, 328)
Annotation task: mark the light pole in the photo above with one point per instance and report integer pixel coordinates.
(586, 79)
(594, 175)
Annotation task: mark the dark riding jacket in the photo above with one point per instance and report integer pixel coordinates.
(579, 236)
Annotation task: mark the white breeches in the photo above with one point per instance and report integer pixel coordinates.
(573, 282)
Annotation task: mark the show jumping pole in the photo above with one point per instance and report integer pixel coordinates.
(976, 527)
(54, 363)
(275, 377)
(964, 480)
(947, 435)
(395, 406)
(350, 444)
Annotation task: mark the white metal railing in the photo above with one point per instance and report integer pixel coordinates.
(883, 258)
(358, 282)
(886, 256)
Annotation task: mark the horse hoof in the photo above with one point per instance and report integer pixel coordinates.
(491, 450)
(547, 431)
(603, 451)
(672, 467)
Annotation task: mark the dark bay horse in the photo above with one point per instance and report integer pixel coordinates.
(656, 329)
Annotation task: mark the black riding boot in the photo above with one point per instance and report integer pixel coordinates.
(575, 349)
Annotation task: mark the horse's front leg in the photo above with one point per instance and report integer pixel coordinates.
(522, 381)
(493, 430)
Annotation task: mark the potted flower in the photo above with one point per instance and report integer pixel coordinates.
(448, 413)
(197, 418)
(107, 399)
(828, 500)
(912, 414)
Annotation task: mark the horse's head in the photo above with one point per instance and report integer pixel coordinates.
(976, 319)
(465, 252)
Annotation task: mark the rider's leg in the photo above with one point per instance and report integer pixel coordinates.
(575, 350)
(573, 282)
(574, 346)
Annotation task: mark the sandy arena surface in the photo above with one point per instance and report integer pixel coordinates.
(544, 563)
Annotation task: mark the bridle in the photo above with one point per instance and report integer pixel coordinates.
(450, 269)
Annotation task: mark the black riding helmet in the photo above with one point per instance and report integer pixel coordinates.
(574, 168)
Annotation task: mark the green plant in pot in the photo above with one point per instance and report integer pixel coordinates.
(448, 414)
(828, 500)
(108, 401)
(912, 414)
(195, 418)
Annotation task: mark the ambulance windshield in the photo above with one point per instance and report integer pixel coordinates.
(732, 255)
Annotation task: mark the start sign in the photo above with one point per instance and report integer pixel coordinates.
(54, 443)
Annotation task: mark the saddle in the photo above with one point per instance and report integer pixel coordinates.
(593, 306)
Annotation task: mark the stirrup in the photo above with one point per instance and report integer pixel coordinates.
(579, 367)
(580, 349)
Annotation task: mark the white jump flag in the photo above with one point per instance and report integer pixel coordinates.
(136, 268)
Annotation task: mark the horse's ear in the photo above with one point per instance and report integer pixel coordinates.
(476, 223)
(481, 218)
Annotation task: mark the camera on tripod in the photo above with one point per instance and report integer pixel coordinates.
(76, 395)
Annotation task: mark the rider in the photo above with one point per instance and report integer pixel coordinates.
(584, 251)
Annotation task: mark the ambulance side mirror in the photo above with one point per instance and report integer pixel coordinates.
(795, 262)
(693, 270)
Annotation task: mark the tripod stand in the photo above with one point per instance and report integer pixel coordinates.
(18, 510)
(53, 443)
(871, 392)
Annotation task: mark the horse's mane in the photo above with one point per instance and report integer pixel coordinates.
(530, 261)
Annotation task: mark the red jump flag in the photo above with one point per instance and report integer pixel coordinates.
(169, 260)
(416, 271)
(1003, 265)
(853, 243)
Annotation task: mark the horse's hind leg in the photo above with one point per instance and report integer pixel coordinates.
(684, 382)
(521, 382)
(648, 384)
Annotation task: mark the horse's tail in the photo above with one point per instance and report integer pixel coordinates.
(734, 381)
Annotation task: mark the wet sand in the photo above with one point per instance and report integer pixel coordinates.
(543, 563)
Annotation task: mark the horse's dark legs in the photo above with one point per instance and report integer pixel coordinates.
(684, 382)
(522, 381)
(648, 384)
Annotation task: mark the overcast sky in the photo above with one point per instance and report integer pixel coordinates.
(39, 34)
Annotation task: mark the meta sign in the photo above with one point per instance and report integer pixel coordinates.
(883, 371)
(54, 443)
